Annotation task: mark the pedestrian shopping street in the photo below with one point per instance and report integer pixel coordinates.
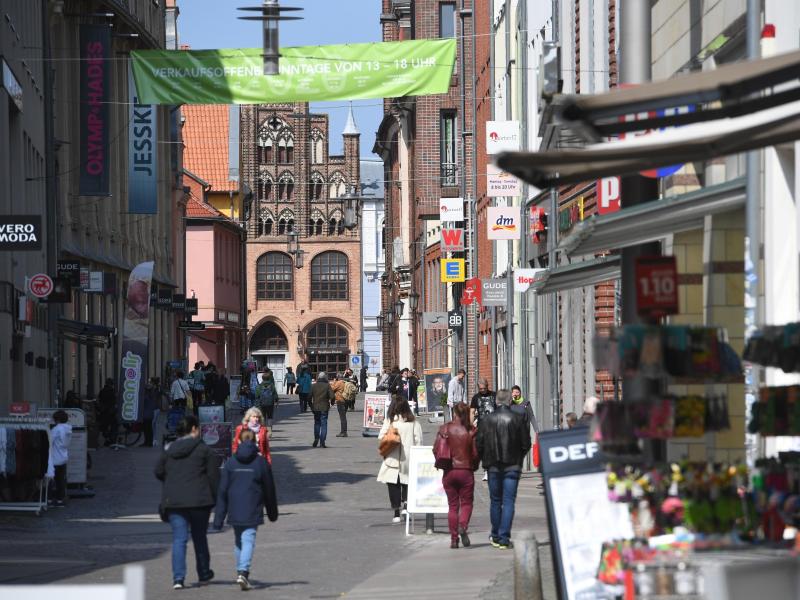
(334, 537)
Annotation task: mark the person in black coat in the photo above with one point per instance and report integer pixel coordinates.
(190, 472)
(247, 488)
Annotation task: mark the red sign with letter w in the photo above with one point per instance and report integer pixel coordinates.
(452, 240)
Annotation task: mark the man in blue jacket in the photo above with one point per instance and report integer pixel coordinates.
(246, 489)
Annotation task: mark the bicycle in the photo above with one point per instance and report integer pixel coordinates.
(128, 435)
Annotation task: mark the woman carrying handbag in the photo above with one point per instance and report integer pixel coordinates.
(400, 431)
(457, 455)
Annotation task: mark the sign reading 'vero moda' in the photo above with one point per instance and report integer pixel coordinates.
(309, 73)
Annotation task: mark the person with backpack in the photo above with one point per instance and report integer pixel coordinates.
(267, 397)
(349, 394)
(290, 380)
(246, 489)
(304, 390)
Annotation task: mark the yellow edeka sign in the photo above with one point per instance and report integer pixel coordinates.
(452, 270)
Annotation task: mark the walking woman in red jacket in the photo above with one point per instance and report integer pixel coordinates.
(459, 478)
(254, 421)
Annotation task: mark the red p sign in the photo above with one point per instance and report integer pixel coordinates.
(608, 195)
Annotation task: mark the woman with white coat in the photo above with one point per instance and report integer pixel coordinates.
(394, 470)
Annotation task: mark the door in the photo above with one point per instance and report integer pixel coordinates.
(277, 364)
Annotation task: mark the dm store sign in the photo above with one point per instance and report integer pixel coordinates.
(503, 223)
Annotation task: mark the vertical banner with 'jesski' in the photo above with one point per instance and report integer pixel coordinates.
(95, 94)
(133, 368)
(142, 155)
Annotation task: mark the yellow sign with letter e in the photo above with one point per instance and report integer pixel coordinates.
(452, 270)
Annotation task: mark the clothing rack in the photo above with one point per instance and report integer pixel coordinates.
(28, 424)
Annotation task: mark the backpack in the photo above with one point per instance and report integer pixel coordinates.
(349, 391)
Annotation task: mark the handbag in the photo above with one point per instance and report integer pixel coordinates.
(389, 442)
(441, 452)
(162, 513)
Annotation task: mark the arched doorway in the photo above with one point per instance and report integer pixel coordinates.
(268, 347)
(327, 348)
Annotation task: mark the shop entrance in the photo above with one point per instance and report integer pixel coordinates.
(327, 348)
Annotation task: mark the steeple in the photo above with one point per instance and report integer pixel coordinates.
(350, 128)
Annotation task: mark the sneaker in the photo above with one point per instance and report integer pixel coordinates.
(343, 434)
(464, 538)
(243, 582)
(177, 585)
(507, 546)
(494, 542)
(485, 476)
(403, 512)
(207, 577)
(396, 519)
(315, 444)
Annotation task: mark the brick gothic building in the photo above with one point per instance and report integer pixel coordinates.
(304, 303)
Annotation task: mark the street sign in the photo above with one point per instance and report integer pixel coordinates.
(355, 361)
(40, 285)
(608, 195)
(472, 292)
(190, 325)
(452, 270)
(191, 306)
(452, 240)
(455, 320)
(656, 286)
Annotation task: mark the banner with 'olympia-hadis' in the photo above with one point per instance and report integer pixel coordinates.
(133, 368)
(306, 73)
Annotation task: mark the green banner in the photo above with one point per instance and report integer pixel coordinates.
(307, 73)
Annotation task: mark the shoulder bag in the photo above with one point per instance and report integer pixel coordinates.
(441, 452)
(389, 442)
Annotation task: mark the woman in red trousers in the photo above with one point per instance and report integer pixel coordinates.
(459, 480)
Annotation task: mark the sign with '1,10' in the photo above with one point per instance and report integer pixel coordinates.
(656, 286)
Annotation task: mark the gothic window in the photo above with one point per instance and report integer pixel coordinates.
(286, 149)
(316, 187)
(315, 223)
(317, 156)
(268, 337)
(264, 191)
(286, 188)
(329, 276)
(264, 223)
(265, 143)
(285, 222)
(274, 276)
(336, 185)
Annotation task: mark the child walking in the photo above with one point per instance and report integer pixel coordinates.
(60, 437)
(246, 489)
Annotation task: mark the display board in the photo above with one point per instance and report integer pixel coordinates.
(211, 414)
(235, 382)
(580, 515)
(79, 442)
(425, 490)
(376, 405)
(436, 382)
(218, 437)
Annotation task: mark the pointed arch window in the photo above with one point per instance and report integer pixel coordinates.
(317, 157)
(316, 187)
(336, 185)
(286, 188)
(265, 144)
(285, 222)
(286, 149)
(264, 186)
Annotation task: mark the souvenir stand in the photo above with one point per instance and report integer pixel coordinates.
(24, 464)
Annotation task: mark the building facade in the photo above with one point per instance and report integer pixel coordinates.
(303, 298)
(373, 231)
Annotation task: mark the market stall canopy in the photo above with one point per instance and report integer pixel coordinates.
(720, 112)
(577, 275)
(653, 220)
(307, 73)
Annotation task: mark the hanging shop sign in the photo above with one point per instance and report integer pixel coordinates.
(523, 278)
(95, 282)
(191, 306)
(20, 232)
(164, 298)
(142, 154)
(62, 291)
(472, 292)
(570, 214)
(537, 221)
(40, 285)
(306, 74)
(69, 269)
(494, 292)
(451, 209)
(502, 136)
(452, 240)
(455, 320)
(608, 195)
(95, 96)
(580, 515)
(499, 183)
(452, 270)
(503, 223)
(656, 286)
(179, 302)
(135, 343)
(434, 320)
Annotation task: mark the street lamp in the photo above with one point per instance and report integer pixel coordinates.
(390, 317)
(398, 308)
(413, 299)
(350, 208)
(270, 15)
(293, 245)
(298, 258)
(379, 322)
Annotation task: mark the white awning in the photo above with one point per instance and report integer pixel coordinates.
(653, 220)
(577, 275)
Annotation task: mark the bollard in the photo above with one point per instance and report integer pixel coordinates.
(527, 571)
(133, 578)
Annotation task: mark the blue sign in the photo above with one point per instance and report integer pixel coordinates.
(142, 154)
(666, 171)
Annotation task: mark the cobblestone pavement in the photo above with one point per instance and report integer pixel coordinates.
(334, 537)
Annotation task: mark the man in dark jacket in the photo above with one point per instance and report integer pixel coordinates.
(322, 398)
(190, 472)
(503, 441)
(246, 489)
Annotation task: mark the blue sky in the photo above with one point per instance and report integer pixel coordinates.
(214, 24)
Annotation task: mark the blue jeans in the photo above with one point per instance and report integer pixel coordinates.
(321, 425)
(243, 545)
(503, 494)
(183, 521)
